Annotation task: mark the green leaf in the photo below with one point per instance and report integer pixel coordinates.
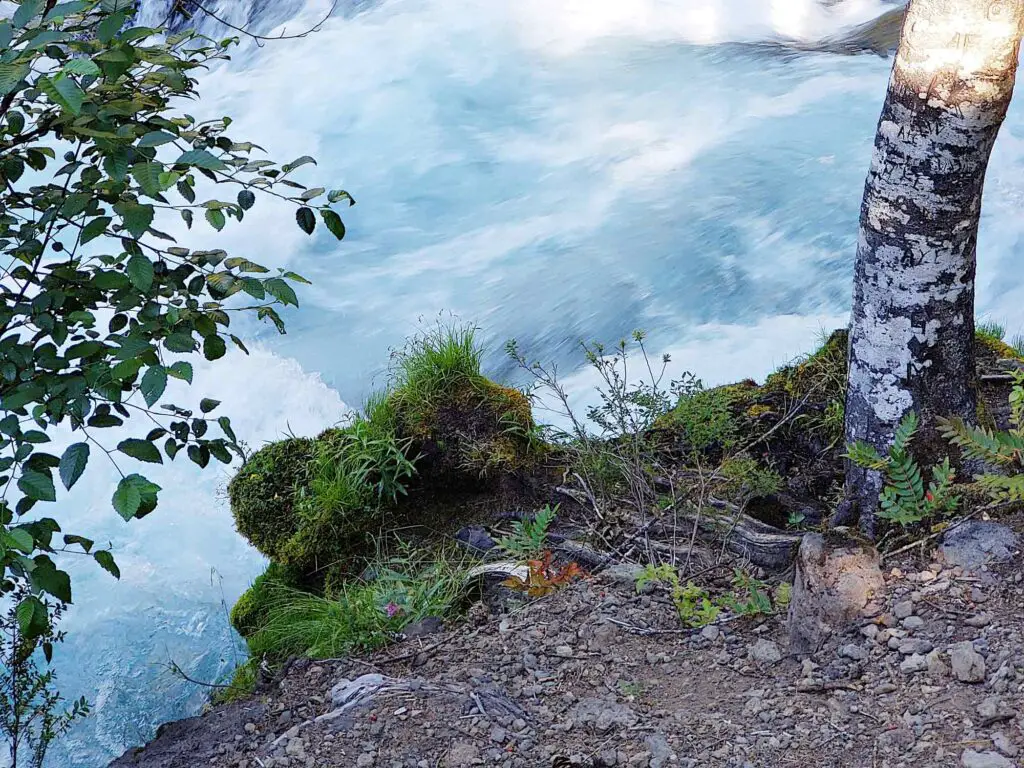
(246, 199)
(200, 158)
(333, 222)
(109, 27)
(32, 618)
(36, 485)
(181, 370)
(295, 277)
(106, 561)
(62, 91)
(214, 347)
(143, 450)
(180, 342)
(94, 229)
(47, 577)
(280, 290)
(306, 220)
(225, 425)
(340, 194)
(148, 177)
(27, 11)
(186, 191)
(216, 219)
(75, 204)
(81, 67)
(126, 499)
(156, 139)
(140, 272)
(207, 404)
(84, 543)
(21, 539)
(72, 463)
(11, 75)
(153, 384)
(113, 6)
(304, 160)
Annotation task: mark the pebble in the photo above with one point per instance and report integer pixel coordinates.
(978, 621)
(912, 622)
(903, 609)
(914, 663)
(710, 632)
(968, 665)
(988, 759)
(764, 652)
(916, 645)
(853, 651)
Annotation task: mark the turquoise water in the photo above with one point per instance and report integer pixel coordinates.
(549, 170)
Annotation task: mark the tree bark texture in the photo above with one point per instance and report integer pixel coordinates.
(912, 325)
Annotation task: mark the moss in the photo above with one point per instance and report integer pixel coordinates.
(263, 493)
(474, 429)
(242, 685)
(758, 410)
(995, 344)
(822, 373)
(250, 612)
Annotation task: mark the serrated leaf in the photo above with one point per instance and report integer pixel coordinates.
(208, 404)
(180, 342)
(153, 384)
(181, 370)
(140, 272)
(47, 577)
(37, 485)
(106, 562)
(200, 158)
(148, 177)
(31, 616)
(126, 499)
(214, 347)
(72, 463)
(280, 290)
(306, 220)
(21, 539)
(94, 229)
(216, 219)
(62, 91)
(143, 450)
(246, 199)
(11, 75)
(27, 11)
(333, 222)
(156, 139)
(81, 67)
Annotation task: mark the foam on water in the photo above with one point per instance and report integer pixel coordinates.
(549, 170)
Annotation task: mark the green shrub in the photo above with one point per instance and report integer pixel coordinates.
(251, 609)
(361, 615)
(263, 493)
(242, 685)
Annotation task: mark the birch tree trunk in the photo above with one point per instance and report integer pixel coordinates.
(912, 328)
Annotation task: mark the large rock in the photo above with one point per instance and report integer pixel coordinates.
(836, 584)
(977, 542)
(972, 759)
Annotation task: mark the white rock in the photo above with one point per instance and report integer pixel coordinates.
(968, 665)
(972, 759)
(913, 663)
(764, 652)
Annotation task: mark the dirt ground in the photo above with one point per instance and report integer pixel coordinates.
(598, 675)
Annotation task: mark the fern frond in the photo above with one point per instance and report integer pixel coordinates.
(976, 442)
(905, 478)
(865, 455)
(905, 432)
(1002, 488)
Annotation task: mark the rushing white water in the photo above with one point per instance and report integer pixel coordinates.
(549, 169)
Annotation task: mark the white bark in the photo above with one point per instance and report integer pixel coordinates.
(912, 327)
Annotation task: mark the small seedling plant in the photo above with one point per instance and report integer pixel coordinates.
(529, 536)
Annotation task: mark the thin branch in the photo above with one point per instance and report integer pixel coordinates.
(261, 38)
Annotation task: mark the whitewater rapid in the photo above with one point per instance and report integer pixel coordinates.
(548, 169)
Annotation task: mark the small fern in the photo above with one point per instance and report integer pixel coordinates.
(904, 499)
(1003, 450)
(529, 536)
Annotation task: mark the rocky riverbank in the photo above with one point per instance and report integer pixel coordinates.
(599, 675)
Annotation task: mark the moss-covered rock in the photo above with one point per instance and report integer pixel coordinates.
(263, 493)
(252, 608)
(473, 430)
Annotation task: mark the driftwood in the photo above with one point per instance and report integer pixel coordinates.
(762, 544)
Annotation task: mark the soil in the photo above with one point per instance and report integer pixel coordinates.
(598, 675)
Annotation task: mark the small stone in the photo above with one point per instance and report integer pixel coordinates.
(978, 621)
(914, 663)
(885, 688)
(912, 623)
(661, 752)
(498, 735)
(764, 652)
(903, 609)
(710, 632)
(977, 596)
(936, 666)
(250, 727)
(364, 760)
(914, 645)
(1002, 742)
(988, 759)
(462, 754)
(968, 665)
(853, 651)
(992, 710)
(564, 651)
(870, 631)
